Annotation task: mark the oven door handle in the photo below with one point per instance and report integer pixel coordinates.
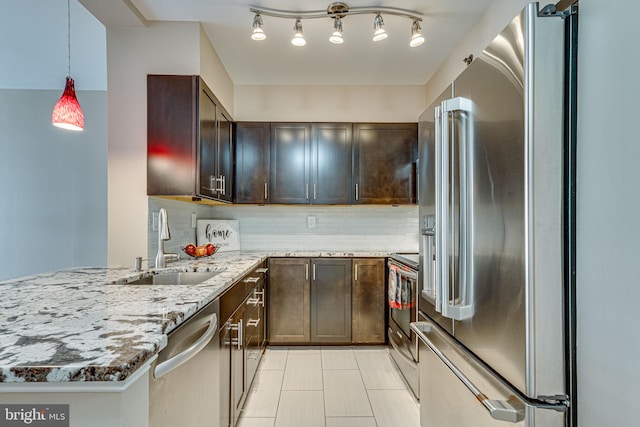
(400, 352)
(403, 271)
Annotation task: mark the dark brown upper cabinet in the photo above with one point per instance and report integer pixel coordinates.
(189, 139)
(216, 148)
(252, 162)
(331, 163)
(325, 163)
(384, 156)
(309, 163)
(290, 162)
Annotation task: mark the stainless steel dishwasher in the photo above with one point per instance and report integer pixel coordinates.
(184, 385)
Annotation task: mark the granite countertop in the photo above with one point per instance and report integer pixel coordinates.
(87, 324)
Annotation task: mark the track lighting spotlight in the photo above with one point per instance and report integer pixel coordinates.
(378, 25)
(258, 32)
(416, 36)
(298, 37)
(336, 37)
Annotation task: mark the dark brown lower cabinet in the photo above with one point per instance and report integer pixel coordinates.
(368, 301)
(241, 341)
(289, 301)
(326, 300)
(330, 300)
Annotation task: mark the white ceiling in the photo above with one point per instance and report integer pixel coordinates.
(358, 61)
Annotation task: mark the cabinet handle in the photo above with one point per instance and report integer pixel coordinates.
(261, 293)
(213, 184)
(355, 274)
(306, 272)
(314, 272)
(251, 280)
(306, 191)
(262, 270)
(314, 192)
(224, 185)
(356, 191)
(217, 184)
(253, 301)
(266, 194)
(237, 327)
(253, 322)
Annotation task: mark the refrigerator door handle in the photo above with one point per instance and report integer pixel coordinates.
(458, 307)
(440, 223)
(511, 410)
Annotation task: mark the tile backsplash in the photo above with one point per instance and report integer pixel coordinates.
(285, 227)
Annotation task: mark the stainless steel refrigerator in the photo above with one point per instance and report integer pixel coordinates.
(494, 307)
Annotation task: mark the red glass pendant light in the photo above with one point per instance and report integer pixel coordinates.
(67, 113)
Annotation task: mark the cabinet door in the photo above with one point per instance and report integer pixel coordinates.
(289, 300)
(331, 160)
(290, 149)
(171, 134)
(369, 303)
(252, 162)
(208, 145)
(225, 155)
(331, 300)
(384, 162)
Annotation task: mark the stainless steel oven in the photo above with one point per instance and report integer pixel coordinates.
(402, 304)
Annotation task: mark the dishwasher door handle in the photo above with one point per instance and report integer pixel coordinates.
(183, 357)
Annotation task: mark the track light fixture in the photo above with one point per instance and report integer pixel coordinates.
(258, 32)
(336, 37)
(337, 11)
(416, 35)
(298, 38)
(379, 32)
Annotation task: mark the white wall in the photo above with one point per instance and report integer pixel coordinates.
(329, 103)
(214, 74)
(495, 18)
(53, 183)
(608, 209)
(33, 51)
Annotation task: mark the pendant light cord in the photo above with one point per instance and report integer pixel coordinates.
(69, 38)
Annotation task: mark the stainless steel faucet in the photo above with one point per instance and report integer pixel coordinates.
(163, 234)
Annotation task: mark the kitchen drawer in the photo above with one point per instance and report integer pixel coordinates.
(257, 276)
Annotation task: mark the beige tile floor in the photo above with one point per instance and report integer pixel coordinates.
(329, 387)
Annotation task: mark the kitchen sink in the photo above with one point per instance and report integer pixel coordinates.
(175, 278)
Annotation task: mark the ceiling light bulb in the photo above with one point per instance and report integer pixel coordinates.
(416, 37)
(298, 37)
(258, 32)
(336, 37)
(378, 26)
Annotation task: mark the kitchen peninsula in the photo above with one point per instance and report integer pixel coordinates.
(87, 338)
